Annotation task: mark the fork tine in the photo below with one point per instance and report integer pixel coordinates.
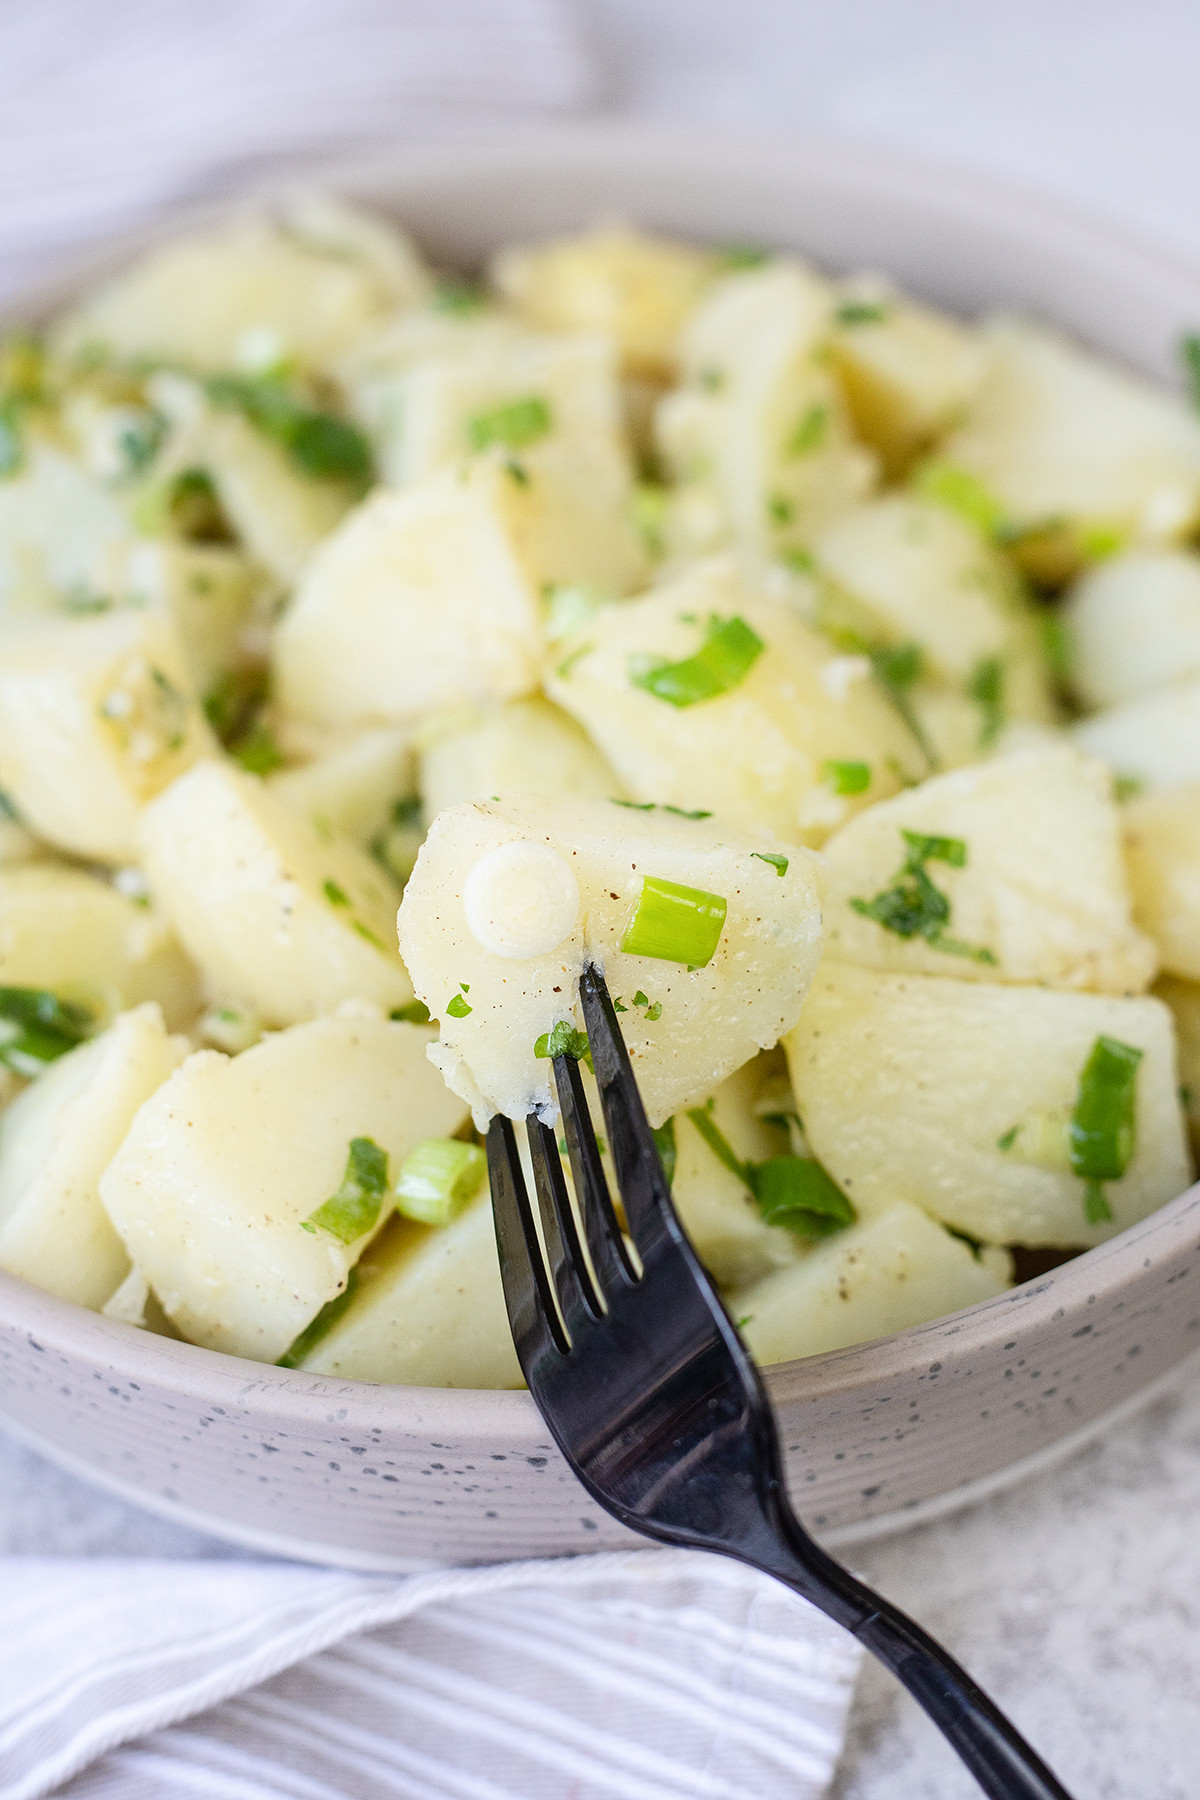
(564, 1252)
(606, 1246)
(639, 1171)
(528, 1296)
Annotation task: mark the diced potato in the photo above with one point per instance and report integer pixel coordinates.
(57, 1138)
(1042, 896)
(1076, 450)
(1151, 742)
(279, 513)
(914, 572)
(630, 286)
(1133, 625)
(566, 459)
(712, 1018)
(757, 754)
(1162, 850)
(67, 931)
(908, 1085)
(309, 285)
(893, 1271)
(210, 1189)
(528, 746)
(209, 592)
(96, 717)
(723, 1221)
(1183, 998)
(276, 913)
(908, 371)
(58, 528)
(759, 435)
(16, 844)
(420, 600)
(352, 791)
(429, 1310)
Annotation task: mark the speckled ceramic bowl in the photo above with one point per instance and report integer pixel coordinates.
(396, 1477)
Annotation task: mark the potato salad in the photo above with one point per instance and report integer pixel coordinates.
(379, 647)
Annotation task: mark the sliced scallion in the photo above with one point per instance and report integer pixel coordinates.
(1103, 1130)
(729, 652)
(514, 425)
(355, 1208)
(847, 777)
(36, 1028)
(439, 1179)
(311, 1336)
(675, 923)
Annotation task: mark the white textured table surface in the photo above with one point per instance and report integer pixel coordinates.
(1075, 1597)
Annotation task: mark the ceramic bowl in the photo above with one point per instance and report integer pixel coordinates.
(392, 1477)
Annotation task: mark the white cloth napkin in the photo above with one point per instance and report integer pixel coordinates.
(109, 112)
(643, 1675)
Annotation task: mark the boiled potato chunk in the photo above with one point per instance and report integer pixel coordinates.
(896, 1270)
(908, 1084)
(71, 933)
(420, 600)
(712, 1019)
(210, 592)
(1133, 625)
(1149, 742)
(1162, 849)
(57, 1138)
(221, 1167)
(528, 746)
(757, 754)
(58, 529)
(722, 1219)
(309, 285)
(1042, 891)
(96, 717)
(1073, 448)
(428, 1310)
(624, 283)
(917, 573)
(279, 915)
(758, 436)
(908, 372)
(1183, 998)
(353, 790)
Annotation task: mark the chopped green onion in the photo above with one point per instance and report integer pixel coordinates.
(681, 812)
(974, 1244)
(743, 256)
(233, 699)
(897, 670)
(36, 1028)
(651, 503)
(563, 1040)
(141, 440)
(1189, 349)
(336, 896)
(777, 860)
(861, 312)
(439, 1178)
(701, 1117)
(1103, 1129)
(311, 1336)
(810, 433)
(455, 295)
(1008, 1138)
(802, 561)
(847, 777)
(664, 1143)
(1056, 645)
(780, 509)
(796, 1192)
(964, 494)
(729, 652)
(515, 425)
(986, 688)
(415, 1013)
(355, 1208)
(913, 906)
(675, 923)
(517, 473)
(1127, 787)
(257, 752)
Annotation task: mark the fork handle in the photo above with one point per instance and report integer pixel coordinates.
(1003, 1764)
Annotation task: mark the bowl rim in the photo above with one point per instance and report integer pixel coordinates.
(210, 1376)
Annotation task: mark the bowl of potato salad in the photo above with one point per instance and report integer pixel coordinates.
(765, 572)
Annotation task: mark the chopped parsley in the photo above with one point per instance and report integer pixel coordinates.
(563, 1040)
(141, 440)
(913, 906)
(257, 751)
(514, 426)
(897, 669)
(355, 1208)
(1008, 1138)
(680, 812)
(457, 1008)
(964, 493)
(728, 653)
(415, 1013)
(793, 1191)
(335, 894)
(810, 432)
(1127, 787)
(319, 444)
(780, 509)
(776, 858)
(847, 777)
(1102, 1133)
(36, 1028)
(986, 688)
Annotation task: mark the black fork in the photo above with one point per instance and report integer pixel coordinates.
(654, 1401)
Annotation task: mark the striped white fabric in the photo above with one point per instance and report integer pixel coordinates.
(651, 1675)
(110, 112)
